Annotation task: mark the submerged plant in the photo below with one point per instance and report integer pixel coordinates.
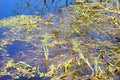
(9, 64)
(45, 42)
(86, 61)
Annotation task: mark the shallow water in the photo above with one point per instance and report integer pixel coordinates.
(28, 47)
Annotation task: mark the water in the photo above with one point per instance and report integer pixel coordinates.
(19, 49)
(30, 7)
(18, 46)
(26, 7)
(2, 30)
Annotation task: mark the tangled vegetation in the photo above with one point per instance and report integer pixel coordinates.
(82, 43)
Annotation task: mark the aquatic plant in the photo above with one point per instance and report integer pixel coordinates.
(91, 54)
(45, 41)
(9, 64)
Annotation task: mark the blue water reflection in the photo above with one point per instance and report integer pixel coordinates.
(30, 7)
(2, 31)
(18, 46)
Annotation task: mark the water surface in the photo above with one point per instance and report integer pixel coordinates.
(30, 7)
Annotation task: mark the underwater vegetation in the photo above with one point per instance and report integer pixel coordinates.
(81, 43)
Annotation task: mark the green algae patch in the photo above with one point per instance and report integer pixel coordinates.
(21, 21)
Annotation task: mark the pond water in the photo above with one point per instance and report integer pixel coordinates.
(30, 7)
(67, 33)
(17, 48)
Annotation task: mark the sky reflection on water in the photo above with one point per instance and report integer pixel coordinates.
(30, 7)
